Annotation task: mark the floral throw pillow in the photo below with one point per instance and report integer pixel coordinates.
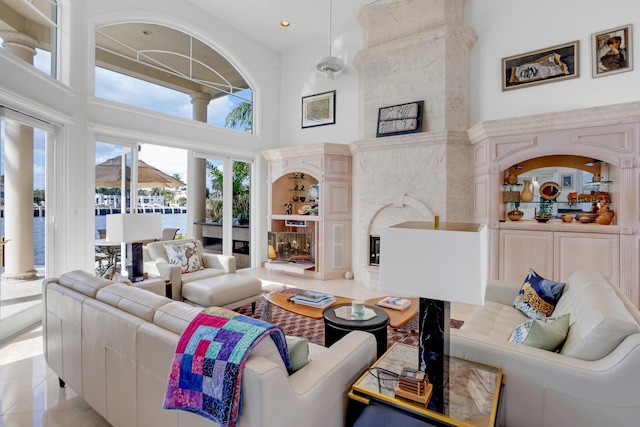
(538, 296)
(185, 255)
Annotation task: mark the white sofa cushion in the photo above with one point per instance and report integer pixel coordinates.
(494, 319)
(599, 319)
(83, 282)
(132, 300)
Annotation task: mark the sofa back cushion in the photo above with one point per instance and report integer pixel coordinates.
(138, 302)
(599, 319)
(81, 281)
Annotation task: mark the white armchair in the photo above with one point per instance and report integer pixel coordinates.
(156, 263)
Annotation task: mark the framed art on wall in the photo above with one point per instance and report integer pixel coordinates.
(400, 119)
(319, 109)
(547, 65)
(566, 180)
(611, 51)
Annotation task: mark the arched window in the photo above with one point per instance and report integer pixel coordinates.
(32, 25)
(159, 68)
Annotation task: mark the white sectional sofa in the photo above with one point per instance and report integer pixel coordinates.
(592, 380)
(113, 344)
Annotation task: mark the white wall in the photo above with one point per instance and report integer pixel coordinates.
(507, 27)
(299, 78)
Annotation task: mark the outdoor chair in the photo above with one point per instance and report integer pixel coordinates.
(169, 233)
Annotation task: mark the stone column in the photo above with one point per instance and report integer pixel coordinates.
(18, 209)
(197, 172)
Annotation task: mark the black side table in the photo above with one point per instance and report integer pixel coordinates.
(336, 327)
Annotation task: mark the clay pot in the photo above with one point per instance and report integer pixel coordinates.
(567, 218)
(606, 217)
(512, 179)
(515, 215)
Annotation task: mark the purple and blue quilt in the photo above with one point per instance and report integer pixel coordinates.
(206, 372)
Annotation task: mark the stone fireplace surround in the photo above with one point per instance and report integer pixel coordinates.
(403, 178)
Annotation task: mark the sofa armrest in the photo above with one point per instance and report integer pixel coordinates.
(221, 262)
(169, 272)
(317, 393)
(502, 291)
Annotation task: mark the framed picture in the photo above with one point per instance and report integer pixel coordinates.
(400, 119)
(319, 110)
(566, 180)
(547, 65)
(611, 51)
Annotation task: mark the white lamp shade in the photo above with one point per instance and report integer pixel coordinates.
(134, 227)
(447, 264)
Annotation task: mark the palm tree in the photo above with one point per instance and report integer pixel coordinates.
(241, 117)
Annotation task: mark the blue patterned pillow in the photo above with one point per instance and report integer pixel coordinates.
(538, 296)
(547, 333)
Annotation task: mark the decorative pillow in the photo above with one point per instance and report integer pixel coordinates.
(185, 255)
(298, 349)
(538, 296)
(547, 333)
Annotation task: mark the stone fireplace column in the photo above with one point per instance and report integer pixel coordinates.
(414, 50)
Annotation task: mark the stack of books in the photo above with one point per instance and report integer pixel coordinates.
(395, 303)
(313, 299)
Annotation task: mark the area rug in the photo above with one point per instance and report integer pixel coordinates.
(313, 329)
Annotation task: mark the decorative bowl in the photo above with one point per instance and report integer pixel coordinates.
(543, 218)
(296, 198)
(302, 198)
(586, 217)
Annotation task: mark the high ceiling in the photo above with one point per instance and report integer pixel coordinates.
(260, 19)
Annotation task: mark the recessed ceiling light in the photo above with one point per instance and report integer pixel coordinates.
(285, 23)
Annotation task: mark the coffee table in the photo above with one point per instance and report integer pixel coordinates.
(400, 318)
(283, 301)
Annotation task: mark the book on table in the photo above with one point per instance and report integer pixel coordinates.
(395, 303)
(313, 299)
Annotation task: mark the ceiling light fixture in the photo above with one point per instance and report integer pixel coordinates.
(285, 23)
(330, 65)
(593, 162)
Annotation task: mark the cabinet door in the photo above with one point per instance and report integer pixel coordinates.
(587, 251)
(522, 250)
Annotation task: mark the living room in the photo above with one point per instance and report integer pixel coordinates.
(440, 171)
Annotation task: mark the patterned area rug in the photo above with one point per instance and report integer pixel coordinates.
(313, 329)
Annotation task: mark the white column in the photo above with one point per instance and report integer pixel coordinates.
(18, 209)
(197, 172)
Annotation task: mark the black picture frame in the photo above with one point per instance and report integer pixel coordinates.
(551, 64)
(400, 119)
(319, 109)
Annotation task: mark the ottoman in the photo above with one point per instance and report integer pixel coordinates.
(228, 290)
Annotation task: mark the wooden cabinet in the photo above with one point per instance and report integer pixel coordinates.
(327, 166)
(558, 251)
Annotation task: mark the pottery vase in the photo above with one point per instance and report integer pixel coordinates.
(606, 217)
(527, 194)
(515, 215)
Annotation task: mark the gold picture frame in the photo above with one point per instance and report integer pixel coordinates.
(552, 64)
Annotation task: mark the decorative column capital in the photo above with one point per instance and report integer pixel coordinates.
(200, 97)
(14, 40)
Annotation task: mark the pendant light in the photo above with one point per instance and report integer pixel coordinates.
(330, 65)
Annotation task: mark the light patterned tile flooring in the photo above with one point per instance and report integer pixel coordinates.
(29, 390)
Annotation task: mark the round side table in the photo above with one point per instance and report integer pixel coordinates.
(338, 323)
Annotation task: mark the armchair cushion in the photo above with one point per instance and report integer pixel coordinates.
(186, 255)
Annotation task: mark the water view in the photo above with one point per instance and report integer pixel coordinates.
(178, 221)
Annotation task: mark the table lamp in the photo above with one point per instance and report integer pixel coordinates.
(131, 230)
(440, 263)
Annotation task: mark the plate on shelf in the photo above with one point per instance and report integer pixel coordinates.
(313, 192)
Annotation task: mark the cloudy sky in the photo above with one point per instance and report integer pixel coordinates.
(127, 90)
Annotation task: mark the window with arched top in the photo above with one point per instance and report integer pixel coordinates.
(160, 68)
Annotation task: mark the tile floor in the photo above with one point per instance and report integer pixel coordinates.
(29, 390)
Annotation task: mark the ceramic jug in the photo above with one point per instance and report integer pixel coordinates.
(527, 194)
